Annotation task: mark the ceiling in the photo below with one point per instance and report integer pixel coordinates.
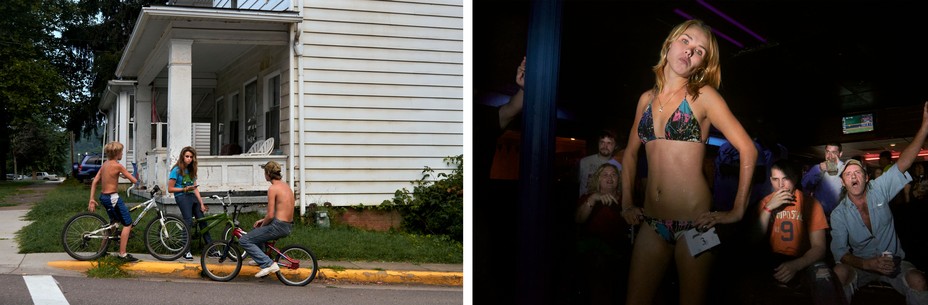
(218, 38)
(790, 69)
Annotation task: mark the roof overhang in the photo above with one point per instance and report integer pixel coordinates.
(146, 52)
(113, 88)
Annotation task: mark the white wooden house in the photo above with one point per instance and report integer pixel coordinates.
(359, 95)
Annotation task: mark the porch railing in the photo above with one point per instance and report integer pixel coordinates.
(214, 173)
(261, 5)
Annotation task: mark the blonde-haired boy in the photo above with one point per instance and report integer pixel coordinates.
(108, 177)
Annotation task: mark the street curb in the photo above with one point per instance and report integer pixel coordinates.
(191, 270)
(396, 277)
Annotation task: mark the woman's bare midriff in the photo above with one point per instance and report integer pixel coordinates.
(676, 188)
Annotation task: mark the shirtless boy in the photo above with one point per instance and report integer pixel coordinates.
(276, 223)
(108, 178)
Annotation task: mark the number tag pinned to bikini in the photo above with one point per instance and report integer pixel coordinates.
(699, 242)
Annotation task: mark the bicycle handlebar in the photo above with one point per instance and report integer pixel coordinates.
(152, 193)
(222, 199)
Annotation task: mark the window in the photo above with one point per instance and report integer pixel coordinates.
(220, 125)
(234, 119)
(272, 117)
(251, 114)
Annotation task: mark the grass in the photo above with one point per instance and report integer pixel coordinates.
(9, 188)
(338, 243)
(107, 267)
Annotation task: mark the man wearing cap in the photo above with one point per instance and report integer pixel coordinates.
(864, 242)
(276, 223)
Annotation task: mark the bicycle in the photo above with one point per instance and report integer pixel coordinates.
(222, 260)
(213, 220)
(87, 235)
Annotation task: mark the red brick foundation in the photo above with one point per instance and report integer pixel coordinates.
(370, 219)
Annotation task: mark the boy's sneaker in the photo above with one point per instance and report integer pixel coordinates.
(265, 271)
(188, 256)
(252, 263)
(128, 258)
(215, 254)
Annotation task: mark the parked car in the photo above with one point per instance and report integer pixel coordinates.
(45, 176)
(14, 177)
(88, 167)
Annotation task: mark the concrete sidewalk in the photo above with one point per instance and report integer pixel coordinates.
(13, 262)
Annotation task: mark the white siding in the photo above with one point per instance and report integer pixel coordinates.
(382, 94)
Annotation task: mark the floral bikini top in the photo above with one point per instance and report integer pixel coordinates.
(681, 126)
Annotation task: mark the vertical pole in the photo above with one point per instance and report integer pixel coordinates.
(180, 120)
(71, 135)
(537, 155)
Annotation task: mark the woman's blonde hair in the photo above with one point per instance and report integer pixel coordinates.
(710, 73)
(112, 150)
(192, 169)
(592, 186)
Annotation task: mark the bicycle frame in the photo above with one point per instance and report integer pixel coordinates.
(297, 263)
(214, 220)
(290, 264)
(238, 232)
(147, 205)
(87, 235)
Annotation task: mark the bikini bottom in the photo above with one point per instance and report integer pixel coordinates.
(669, 230)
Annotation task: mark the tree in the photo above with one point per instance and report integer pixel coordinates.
(30, 83)
(56, 57)
(92, 44)
(40, 145)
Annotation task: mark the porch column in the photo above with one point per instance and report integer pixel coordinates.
(180, 79)
(143, 115)
(111, 125)
(122, 124)
(142, 129)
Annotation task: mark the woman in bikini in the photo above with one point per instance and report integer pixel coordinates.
(672, 122)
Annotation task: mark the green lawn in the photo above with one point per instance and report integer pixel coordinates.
(9, 188)
(336, 243)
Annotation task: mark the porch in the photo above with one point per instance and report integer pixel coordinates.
(216, 175)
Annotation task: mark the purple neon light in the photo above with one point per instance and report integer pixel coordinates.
(742, 27)
(717, 32)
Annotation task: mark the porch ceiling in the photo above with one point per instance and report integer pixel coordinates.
(220, 36)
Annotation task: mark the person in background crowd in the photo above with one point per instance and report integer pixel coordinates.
(603, 247)
(919, 189)
(864, 242)
(822, 181)
(490, 122)
(885, 162)
(591, 163)
(795, 226)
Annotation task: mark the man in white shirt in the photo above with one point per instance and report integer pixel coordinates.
(605, 153)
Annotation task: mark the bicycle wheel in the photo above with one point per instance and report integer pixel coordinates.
(300, 269)
(222, 267)
(79, 239)
(227, 235)
(227, 232)
(167, 241)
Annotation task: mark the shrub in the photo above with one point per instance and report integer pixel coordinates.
(435, 206)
